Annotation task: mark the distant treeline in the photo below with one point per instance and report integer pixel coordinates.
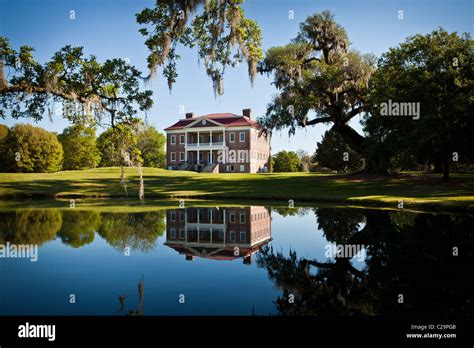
(28, 149)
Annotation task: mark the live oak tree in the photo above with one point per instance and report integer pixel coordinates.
(319, 80)
(110, 90)
(434, 70)
(219, 29)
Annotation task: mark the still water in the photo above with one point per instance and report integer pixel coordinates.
(250, 260)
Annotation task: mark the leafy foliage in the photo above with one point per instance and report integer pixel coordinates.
(119, 146)
(79, 146)
(152, 147)
(286, 161)
(316, 74)
(222, 34)
(32, 149)
(96, 89)
(434, 70)
(332, 152)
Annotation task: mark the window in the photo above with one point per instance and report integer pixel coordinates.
(173, 233)
(232, 236)
(232, 218)
(173, 157)
(232, 137)
(172, 216)
(242, 236)
(242, 137)
(181, 216)
(232, 168)
(181, 139)
(181, 234)
(221, 138)
(242, 168)
(181, 156)
(173, 139)
(242, 218)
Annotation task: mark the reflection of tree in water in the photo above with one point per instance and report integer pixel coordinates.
(339, 225)
(138, 231)
(30, 226)
(78, 227)
(332, 291)
(285, 211)
(407, 254)
(139, 310)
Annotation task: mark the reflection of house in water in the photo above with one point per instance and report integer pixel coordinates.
(216, 233)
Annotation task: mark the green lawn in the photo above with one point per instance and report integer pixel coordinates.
(415, 189)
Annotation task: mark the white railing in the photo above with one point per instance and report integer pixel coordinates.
(214, 143)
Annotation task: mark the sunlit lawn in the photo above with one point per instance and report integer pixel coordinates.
(413, 189)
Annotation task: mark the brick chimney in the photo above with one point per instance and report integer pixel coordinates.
(189, 114)
(247, 112)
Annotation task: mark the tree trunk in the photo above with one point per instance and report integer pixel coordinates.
(446, 170)
(357, 143)
(438, 166)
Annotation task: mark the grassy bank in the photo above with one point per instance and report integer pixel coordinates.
(415, 189)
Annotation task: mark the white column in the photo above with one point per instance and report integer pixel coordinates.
(210, 137)
(198, 147)
(210, 156)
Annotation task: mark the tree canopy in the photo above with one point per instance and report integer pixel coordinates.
(319, 80)
(79, 146)
(219, 29)
(435, 71)
(110, 89)
(31, 149)
(286, 161)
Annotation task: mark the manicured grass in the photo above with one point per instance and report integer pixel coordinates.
(415, 189)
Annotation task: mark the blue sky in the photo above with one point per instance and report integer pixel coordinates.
(107, 28)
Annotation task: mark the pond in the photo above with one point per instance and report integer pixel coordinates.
(245, 260)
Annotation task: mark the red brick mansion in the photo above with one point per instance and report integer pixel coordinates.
(215, 143)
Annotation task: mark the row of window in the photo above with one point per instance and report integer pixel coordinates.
(232, 235)
(259, 216)
(201, 138)
(242, 156)
(232, 216)
(263, 232)
(259, 139)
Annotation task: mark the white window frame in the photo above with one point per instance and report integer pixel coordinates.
(244, 234)
(240, 137)
(234, 219)
(183, 138)
(244, 216)
(172, 216)
(181, 158)
(173, 233)
(181, 234)
(173, 157)
(173, 140)
(232, 236)
(232, 137)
